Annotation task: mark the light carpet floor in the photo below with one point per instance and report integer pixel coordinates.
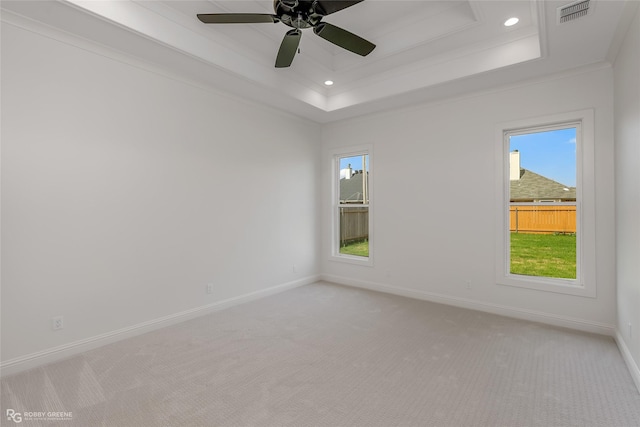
(327, 355)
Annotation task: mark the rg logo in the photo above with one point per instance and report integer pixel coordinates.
(14, 416)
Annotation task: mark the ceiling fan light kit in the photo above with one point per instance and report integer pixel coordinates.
(299, 14)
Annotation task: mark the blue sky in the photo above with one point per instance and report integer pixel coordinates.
(551, 154)
(355, 161)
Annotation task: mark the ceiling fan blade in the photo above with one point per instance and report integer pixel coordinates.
(344, 38)
(327, 7)
(237, 18)
(288, 48)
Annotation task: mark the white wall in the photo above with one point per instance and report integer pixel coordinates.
(124, 192)
(434, 199)
(627, 146)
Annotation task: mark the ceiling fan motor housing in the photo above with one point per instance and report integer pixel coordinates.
(297, 13)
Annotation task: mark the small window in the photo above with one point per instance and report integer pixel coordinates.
(546, 207)
(352, 204)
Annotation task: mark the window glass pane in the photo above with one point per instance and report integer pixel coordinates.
(354, 231)
(353, 209)
(354, 182)
(542, 203)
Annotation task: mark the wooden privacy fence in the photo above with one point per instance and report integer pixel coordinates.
(535, 218)
(354, 224)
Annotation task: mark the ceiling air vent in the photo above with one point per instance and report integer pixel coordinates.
(575, 10)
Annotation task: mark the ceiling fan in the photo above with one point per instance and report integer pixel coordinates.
(299, 14)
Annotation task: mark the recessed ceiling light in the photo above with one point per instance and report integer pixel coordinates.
(328, 83)
(511, 22)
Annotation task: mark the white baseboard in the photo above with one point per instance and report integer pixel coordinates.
(50, 355)
(518, 313)
(628, 359)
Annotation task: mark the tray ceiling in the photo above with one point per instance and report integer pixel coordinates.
(425, 49)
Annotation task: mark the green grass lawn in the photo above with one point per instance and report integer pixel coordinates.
(357, 248)
(545, 255)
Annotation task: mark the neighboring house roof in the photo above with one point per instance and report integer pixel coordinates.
(532, 186)
(351, 189)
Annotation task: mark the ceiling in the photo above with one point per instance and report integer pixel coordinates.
(426, 50)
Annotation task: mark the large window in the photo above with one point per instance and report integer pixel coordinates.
(546, 228)
(542, 201)
(351, 206)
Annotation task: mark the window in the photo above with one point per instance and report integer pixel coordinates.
(546, 237)
(351, 206)
(542, 201)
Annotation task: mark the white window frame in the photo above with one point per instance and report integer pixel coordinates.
(336, 155)
(585, 283)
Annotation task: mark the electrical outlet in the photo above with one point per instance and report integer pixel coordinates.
(467, 284)
(57, 323)
(294, 268)
(210, 288)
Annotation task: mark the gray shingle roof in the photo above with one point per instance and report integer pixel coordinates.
(351, 189)
(532, 186)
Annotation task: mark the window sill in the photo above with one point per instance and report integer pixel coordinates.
(559, 286)
(351, 259)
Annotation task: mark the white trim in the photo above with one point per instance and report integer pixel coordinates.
(334, 255)
(516, 313)
(539, 14)
(634, 370)
(585, 283)
(64, 351)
